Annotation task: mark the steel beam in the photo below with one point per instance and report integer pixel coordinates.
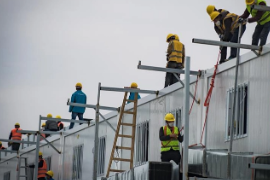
(259, 166)
(8, 151)
(37, 151)
(227, 44)
(92, 106)
(260, 7)
(64, 120)
(59, 152)
(128, 90)
(197, 178)
(107, 121)
(16, 141)
(169, 70)
(36, 132)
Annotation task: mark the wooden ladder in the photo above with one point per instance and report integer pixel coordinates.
(132, 136)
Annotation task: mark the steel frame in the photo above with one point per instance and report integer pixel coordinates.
(259, 166)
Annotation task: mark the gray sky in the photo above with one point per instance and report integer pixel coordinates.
(46, 47)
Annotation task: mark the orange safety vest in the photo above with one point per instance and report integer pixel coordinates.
(60, 124)
(16, 135)
(42, 171)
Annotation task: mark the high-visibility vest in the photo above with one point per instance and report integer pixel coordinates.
(234, 24)
(177, 51)
(172, 143)
(16, 135)
(42, 171)
(265, 17)
(59, 124)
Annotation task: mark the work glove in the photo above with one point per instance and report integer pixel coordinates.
(221, 36)
(241, 20)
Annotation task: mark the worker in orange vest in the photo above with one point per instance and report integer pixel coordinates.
(60, 125)
(1, 146)
(14, 135)
(42, 167)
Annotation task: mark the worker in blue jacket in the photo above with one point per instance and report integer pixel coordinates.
(132, 94)
(77, 97)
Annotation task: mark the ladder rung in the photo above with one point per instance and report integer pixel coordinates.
(125, 136)
(116, 170)
(128, 112)
(127, 124)
(129, 100)
(121, 147)
(121, 159)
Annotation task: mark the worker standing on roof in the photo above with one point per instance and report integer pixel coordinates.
(50, 125)
(261, 17)
(59, 123)
(170, 137)
(175, 58)
(49, 175)
(14, 135)
(230, 24)
(1, 146)
(77, 97)
(132, 94)
(42, 167)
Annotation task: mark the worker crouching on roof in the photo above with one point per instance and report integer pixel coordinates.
(175, 58)
(59, 123)
(50, 125)
(229, 25)
(42, 167)
(263, 21)
(49, 175)
(132, 94)
(14, 135)
(170, 137)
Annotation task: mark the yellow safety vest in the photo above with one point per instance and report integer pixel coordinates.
(265, 17)
(176, 51)
(172, 143)
(235, 23)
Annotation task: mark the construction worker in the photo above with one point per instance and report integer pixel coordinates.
(42, 129)
(42, 167)
(175, 57)
(170, 137)
(132, 94)
(212, 8)
(77, 97)
(261, 17)
(50, 125)
(1, 146)
(60, 125)
(14, 135)
(49, 175)
(230, 24)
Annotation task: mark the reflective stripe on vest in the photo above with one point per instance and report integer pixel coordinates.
(265, 17)
(42, 171)
(15, 134)
(177, 51)
(172, 143)
(234, 18)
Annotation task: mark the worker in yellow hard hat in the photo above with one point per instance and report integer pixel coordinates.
(261, 17)
(80, 98)
(49, 175)
(1, 146)
(42, 167)
(14, 135)
(175, 57)
(170, 137)
(50, 125)
(132, 94)
(212, 8)
(230, 25)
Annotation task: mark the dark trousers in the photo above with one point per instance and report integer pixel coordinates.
(170, 78)
(261, 33)
(15, 146)
(43, 178)
(234, 39)
(47, 135)
(171, 155)
(73, 116)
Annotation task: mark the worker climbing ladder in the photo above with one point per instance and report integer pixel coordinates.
(117, 135)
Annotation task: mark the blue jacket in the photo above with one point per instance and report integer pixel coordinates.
(132, 96)
(51, 179)
(78, 97)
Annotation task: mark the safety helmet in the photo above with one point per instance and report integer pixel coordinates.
(134, 85)
(17, 124)
(79, 85)
(169, 36)
(177, 37)
(40, 153)
(0, 143)
(58, 117)
(43, 125)
(214, 15)
(50, 173)
(249, 2)
(49, 115)
(169, 117)
(210, 9)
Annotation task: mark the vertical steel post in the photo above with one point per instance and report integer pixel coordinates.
(234, 101)
(96, 136)
(186, 113)
(37, 150)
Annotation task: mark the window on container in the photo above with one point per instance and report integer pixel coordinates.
(178, 117)
(7, 176)
(101, 156)
(241, 107)
(77, 162)
(141, 143)
(48, 162)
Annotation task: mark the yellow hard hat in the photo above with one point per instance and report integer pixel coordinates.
(59, 117)
(134, 85)
(177, 37)
(169, 36)
(210, 9)
(50, 173)
(169, 117)
(49, 115)
(249, 2)
(214, 15)
(40, 153)
(43, 125)
(17, 124)
(79, 85)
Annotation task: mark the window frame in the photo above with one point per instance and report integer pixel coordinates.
(5, 175)
(101, 156)
(77, 161)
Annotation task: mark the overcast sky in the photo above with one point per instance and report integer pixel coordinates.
(46, 47)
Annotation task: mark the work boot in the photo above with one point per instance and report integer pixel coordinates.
(221, 61)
